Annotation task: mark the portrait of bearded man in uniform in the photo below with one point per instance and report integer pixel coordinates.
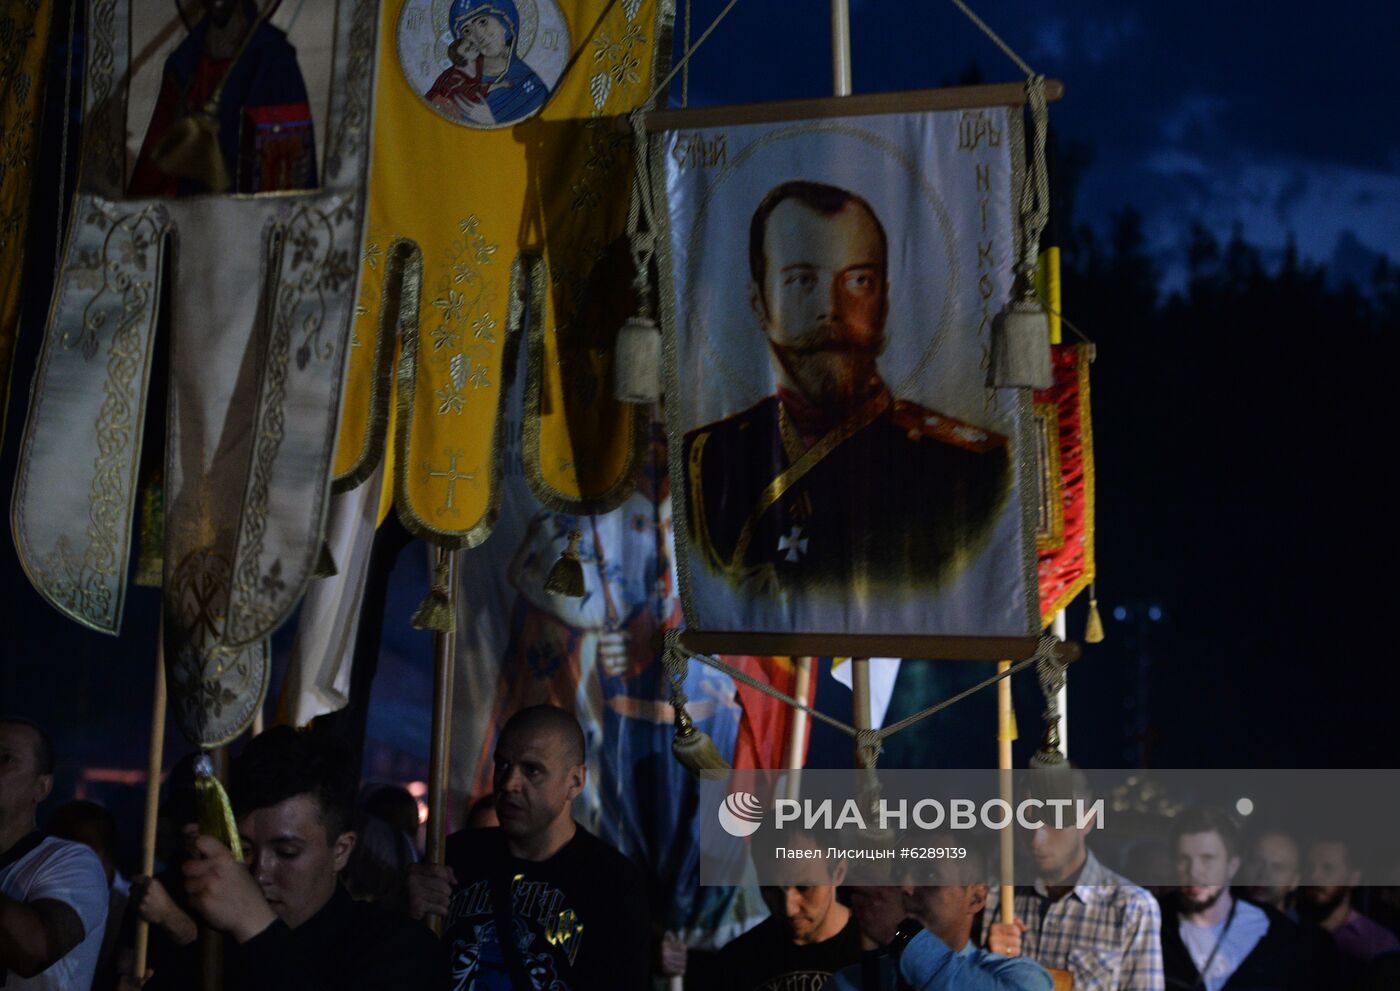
(833, 481)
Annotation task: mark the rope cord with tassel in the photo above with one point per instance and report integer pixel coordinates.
(436, 611)
(676, 656)
(1051, 672)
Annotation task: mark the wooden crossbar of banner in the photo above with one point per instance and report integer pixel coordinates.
(909, 101)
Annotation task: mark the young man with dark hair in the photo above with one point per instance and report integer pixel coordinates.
(808, 935)
(571, 908)
(1212, 940)
(53, 892)
(291, 924)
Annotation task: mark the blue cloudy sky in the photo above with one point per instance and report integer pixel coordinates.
(1274, 116)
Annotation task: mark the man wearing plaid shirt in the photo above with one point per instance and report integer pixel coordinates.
(1081, 917)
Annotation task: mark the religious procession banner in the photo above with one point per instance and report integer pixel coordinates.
(206, 166)
(519, 644)
(499, 188)
(1064, 439)
(828, 298)
(24, 39)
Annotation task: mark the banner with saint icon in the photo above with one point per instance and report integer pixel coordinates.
(225, 148)
(829, 290)
(499, 188)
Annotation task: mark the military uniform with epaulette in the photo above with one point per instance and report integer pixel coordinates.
(894, 496)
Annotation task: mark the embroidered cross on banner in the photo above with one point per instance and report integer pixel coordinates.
(453, 476)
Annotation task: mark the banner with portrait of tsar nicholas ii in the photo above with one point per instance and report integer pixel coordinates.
(829, 287)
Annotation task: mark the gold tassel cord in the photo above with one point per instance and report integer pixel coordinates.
(1093, 626)
(566, 576)
(436, 611)
(215, 812)
(691, 746)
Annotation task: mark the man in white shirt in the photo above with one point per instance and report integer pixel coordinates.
(1211, 939)
(53, 893)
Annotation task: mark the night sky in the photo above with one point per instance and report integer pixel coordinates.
(1270, 115)
(1269, 120)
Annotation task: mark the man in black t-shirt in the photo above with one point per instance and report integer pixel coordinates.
(573, 908)
(807, 937)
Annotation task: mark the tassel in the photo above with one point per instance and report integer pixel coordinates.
(694, 748)
(1093, 627)
(325, 563)
(436, 612)
(211, 802)
(150, 558)
(1021, 347)
(190, 150)
(566, 576)
(637, 362)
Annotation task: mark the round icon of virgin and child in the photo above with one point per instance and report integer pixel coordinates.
(483, 63)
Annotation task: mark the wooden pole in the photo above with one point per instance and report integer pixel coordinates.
(797, 733)
(211, 941)
(444, 666)
(1057, 627)
(154, 759)
(1008, 837)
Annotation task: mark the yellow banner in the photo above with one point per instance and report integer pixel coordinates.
(24, 37)
(499, 188)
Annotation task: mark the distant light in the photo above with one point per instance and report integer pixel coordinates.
(419, 791)
(1244, 806)
(1119, 613)
(1154, 613)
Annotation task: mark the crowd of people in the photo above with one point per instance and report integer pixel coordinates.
(331, 893)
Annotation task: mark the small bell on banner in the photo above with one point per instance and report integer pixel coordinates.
(1021, 347)
(212, 806)
(436, 612)
(566, 576)
(637, 361)
(325, 563)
